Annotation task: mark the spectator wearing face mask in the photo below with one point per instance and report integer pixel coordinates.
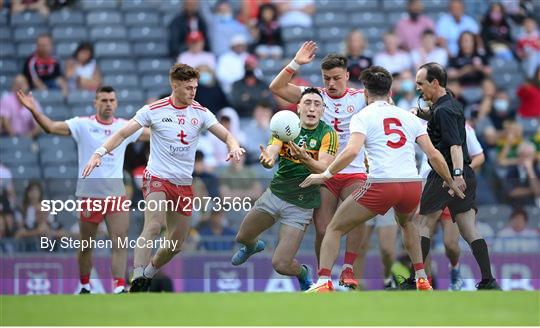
(497, 116)
(496, 32)
(409, 29)
(529, 96)
(522, 179)
(407, 91)
(209, 91)
(195, 55)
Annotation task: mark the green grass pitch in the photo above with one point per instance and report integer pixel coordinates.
(363, 308)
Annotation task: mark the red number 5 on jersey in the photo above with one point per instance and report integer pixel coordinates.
(388, 131)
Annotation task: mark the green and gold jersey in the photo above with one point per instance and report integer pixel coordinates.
(291, 172)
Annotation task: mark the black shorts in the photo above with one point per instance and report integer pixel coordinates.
(435, 197)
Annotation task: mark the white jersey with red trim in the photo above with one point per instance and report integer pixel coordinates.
(174, 134)
(391, 134)
(338, 113)
(90, 134)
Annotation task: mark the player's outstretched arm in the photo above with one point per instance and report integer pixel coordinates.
(281, 85)
(50, 126)
(235, 151)
(438, 163)
(116, 139)
(269, 155)
(342, 160)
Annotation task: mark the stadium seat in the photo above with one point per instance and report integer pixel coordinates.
(112, 49)
(28, 18)
(128, 110)
(373, 34)
(361, 5)
(48, 141)
(103, 17)
(270, 66)
(472, 94)
(141, 19)
(101, 5)
(151, 49)
(20, 156)
(155, 81)
(329, 47)
(80, 98)
(58, 155)
(129, 95)
(530, 126)
(60, 171)
(147, 33)
(332, 33)
(436, 5)
(7, 50)
(368, 19)
(25, 49)
(5, 34)
(66, 49)
(4, 18)
(395, 5)
(291, 48)
(9, 66)
(56, 112)
(22, 171)
(297, 33)
(48, 96)
(314, 79)
(65, 17)
(329, 5)
(84, 110)
(155, 65)
(108, 33)
(121, 81)
(138, 5)
(28, 33)
(170, 6)
(394, 17)
(5, 82)
(330, 19)
(10, 144)
(73, 33)
(109, 66)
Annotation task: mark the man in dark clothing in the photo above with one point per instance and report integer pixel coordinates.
(446, 129)
(189, 20)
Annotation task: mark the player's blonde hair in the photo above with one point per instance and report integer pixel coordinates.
(183, 72)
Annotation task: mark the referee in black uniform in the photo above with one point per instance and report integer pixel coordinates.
(446, 129)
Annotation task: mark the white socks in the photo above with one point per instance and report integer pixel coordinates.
(150, 270)
(420, 274)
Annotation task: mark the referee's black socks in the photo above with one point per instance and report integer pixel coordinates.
(480, 251)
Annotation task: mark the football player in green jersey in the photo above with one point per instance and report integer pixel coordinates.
(284, 201)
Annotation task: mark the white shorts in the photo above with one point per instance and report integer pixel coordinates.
(382, 220)
(287, 213)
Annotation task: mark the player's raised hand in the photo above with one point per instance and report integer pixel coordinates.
(93, 162)
(236, 154)
(313, 179)
(26, 100)
(306, 53)
(265, 159)
(298, 152)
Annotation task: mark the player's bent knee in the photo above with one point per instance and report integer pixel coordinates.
(282, 266)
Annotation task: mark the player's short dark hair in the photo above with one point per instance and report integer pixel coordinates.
(183, 72)
(518, 211)
(435, 71)
(104, 88)
(377, 80)
(334, 60)
(310, 90)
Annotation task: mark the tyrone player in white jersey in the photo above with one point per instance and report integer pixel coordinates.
(107, 181)
(389, 134)
(176, 123)
(341, 103)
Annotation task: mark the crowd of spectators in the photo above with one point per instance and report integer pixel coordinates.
(233, 86)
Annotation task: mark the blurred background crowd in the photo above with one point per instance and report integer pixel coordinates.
(63, 50)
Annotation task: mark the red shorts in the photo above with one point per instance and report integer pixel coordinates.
(341, 181)
(94, 211)
(445, 215)
(181, 196)
(404, 197)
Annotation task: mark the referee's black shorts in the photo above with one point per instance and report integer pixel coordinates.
(435, 197)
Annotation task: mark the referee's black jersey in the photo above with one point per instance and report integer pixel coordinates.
(446, 128)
